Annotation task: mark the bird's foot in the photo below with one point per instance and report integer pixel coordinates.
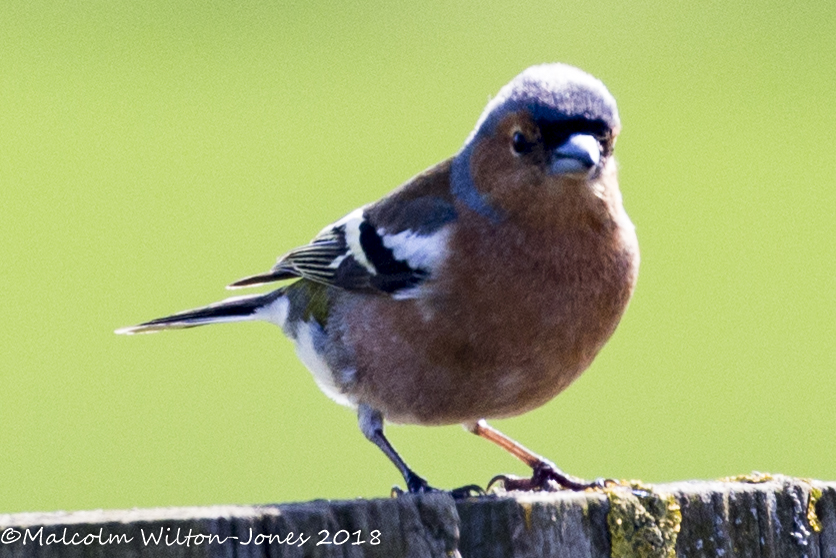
(468, 491)
(417, 485)
(548, 478)
(414, 485)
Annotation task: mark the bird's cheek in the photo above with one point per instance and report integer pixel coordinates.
(495, 169)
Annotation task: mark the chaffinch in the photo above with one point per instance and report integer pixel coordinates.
(480, 288)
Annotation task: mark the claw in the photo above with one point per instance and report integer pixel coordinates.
(547, 477)
(512, 482)
(414, 485)
(499, 480)
(425, 488)
(468, 491)
(417, 485)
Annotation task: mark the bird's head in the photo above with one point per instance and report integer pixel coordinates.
(542, 146)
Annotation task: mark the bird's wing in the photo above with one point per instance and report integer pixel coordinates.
(391, 246)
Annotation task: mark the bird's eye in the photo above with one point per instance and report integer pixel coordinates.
(605, 141)
(519, 143)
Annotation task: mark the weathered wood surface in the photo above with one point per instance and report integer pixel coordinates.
(778, 517)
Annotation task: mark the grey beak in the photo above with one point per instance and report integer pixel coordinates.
(577, 155)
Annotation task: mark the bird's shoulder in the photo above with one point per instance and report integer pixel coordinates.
(422, 205)
(390, 246)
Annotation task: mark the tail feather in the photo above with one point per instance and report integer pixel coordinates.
(234, 309)
(262, 278)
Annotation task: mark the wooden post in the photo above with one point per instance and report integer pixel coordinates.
(757, 516)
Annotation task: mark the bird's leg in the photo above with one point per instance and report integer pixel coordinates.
(371, 423)
(544, 473)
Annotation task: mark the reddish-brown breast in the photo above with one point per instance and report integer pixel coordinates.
(514, 317)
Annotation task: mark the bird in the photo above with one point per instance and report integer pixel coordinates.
(479, 289)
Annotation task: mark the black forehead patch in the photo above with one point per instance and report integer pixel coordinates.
(555, 132)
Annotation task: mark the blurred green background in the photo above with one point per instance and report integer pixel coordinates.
(152, 152)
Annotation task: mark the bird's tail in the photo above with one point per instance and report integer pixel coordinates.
(235, 309)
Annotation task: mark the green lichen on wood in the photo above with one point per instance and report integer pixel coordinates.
(812, 517)
(642, 523)
(755, 477)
